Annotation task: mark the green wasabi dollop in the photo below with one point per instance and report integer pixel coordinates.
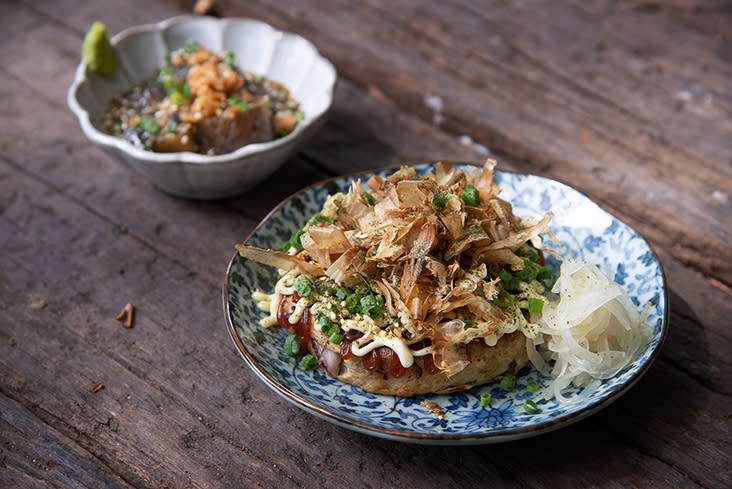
(97, 51)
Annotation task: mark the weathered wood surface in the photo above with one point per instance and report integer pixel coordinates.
(630, 102)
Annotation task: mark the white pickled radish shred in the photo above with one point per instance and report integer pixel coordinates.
(592, 332)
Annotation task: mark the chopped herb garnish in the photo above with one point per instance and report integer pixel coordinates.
(324, 322)
(505, 295)
(335, 338)
(529, 272)
(352, 303)
(508, 382)
(485, 399)
(186, 89)
(303, 286)
(505, 275)
(470, 196)
(229, 59)
(536, 305)
(236, 101)
(544, 274)
(342, 293)
(292, 345)
(149, 125)
(177, 98)
(368, 198)
(439, 201)
(172, 127)
(308, 362)
(299, 115)
(190, 46)
(269, 104)
(260, 78)
(530, 406)
(295, 241)
(532, 386)
(321, 218)
(284, 95)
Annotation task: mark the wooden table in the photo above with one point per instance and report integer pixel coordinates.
(630, 102)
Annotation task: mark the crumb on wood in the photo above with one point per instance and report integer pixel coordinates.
(433, 408)
(37, 303)
(126, 315)
(97, 387)
(123, 229)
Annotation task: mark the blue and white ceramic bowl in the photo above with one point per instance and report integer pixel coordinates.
(259, 48)
(586, 231)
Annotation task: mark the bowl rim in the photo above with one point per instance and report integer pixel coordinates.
(122, 145)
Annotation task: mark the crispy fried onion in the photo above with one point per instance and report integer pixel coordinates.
(424, 249)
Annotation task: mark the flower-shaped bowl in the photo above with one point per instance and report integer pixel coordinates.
(259, 48)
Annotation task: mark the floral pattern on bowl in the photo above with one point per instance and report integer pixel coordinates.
(259, 48)
(586, 231)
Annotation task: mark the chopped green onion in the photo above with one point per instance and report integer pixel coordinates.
(505, 275)
(376, 313)
(368, 302)
(532, 386)
(324, 322)
(292, 345)
(470, 196)
(295, 241)
(335, 338)
(528, 251)
(303, 286)
(508, 382)
(149, 125)
(172, 127)
(190, 46)
(536, 305)
(166, 78)
(485, 399)
(372, 305)
(236, 101)
(529, 272)
(186, 89)
(229, 59)
(469, 323)
(530, 406)
(269, 104)
(439, 201)
(308, 362)
(299, 115)
(284, 95)
(507, 302)
(342, 293)
(543, 273)
(260, 78)
(177, 98)
(368, 198)
(352, 303)
(321, 218)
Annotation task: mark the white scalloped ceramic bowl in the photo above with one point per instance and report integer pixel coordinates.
(259, 48)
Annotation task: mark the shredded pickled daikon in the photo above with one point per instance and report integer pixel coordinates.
(592, 332)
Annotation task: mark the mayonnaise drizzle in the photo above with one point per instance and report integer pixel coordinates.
(374, 338)
(300, 306)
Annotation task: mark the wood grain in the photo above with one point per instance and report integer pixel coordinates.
(591, 93)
